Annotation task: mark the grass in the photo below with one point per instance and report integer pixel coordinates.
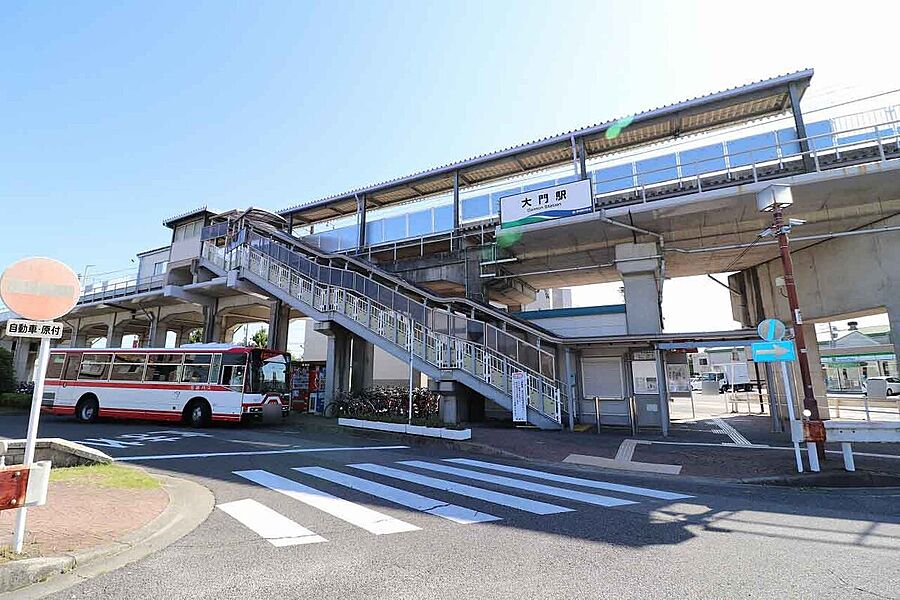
(6, 554)
(109, 476)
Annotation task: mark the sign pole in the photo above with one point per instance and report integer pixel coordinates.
(31, 439)
(786, 382)
(809, 398)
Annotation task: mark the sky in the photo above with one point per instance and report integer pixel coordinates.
(117, 115)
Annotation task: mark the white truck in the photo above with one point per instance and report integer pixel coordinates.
(728, 375)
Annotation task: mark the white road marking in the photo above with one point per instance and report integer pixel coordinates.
(532, 506)
(256, 452)
(439, 508)
(600, 485)
(355, 514)
(520, 484)
(733, 433)
(272, 526)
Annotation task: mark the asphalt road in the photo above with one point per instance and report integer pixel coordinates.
(315, 537)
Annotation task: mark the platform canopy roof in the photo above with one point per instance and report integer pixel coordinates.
(722, 109)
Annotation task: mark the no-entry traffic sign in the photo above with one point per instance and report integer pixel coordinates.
(40, 289)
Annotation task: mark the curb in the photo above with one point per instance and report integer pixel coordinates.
(189, 505)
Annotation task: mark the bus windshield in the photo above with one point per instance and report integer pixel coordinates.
(268, 373)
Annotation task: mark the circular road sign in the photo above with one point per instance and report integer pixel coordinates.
(771, 330)
(41, 289)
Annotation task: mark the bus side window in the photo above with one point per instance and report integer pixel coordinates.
(73, 365)
(55, 366)
(233, 375)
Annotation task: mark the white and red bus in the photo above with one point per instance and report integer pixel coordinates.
(196, 383)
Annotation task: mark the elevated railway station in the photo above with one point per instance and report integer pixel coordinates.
(434, 268)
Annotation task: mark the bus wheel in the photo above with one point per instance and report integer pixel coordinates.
(198, 413)
(88, 409)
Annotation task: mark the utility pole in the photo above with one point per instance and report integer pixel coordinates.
(809, 398)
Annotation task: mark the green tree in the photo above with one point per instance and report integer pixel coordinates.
(7, 374)
(260, 339)
(195, 336)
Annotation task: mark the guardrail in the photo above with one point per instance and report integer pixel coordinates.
(106, 290)
(398, 325)
(848, 432)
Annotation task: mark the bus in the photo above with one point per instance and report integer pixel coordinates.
(195, 383)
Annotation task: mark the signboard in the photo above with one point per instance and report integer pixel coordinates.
(39, 288)
(519, 397)
(34, 329)
(679, 378)
(771, 330)
(781, 351)
(546, 204)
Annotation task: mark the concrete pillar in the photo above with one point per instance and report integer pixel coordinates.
(816, 373)
(337, 358)
(156, 337)
(20, 359)
(212, 325)
(362, 362)
(893, 311)
(279, 321)
(639, 266)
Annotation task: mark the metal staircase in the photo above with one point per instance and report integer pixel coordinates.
(446, 338)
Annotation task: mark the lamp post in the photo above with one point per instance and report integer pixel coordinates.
(774, 199)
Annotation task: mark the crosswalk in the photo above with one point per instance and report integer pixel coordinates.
(442, 476)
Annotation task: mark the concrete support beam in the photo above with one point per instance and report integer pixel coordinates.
(639, 266)
(362, 362)
(156, 337)
(279, 321)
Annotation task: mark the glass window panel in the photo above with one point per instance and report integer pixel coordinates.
(197, 359)
(163, 372)
(91, 371)
(613, 179)
(476, 208)
(73, 365)
(823, 129)
(98, 358)
(748, 150)
(127, 372)
(787, 139)
(420, 223)
(443, 218)
(375, 232)
(705, 159)
(567, 179)
(656, 169)
(168, 358)
(196, 374)
(55, 366)
(395, 228)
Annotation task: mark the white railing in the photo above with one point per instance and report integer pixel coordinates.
(116, 288)
(438, 349)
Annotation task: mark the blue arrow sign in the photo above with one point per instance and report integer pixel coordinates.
(773, 351)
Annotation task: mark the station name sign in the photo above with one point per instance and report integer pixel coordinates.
(546, 204)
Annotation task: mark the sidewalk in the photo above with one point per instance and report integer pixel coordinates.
(97, 518)
(88, 506)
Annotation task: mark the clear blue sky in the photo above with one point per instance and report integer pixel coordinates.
(116, 115)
